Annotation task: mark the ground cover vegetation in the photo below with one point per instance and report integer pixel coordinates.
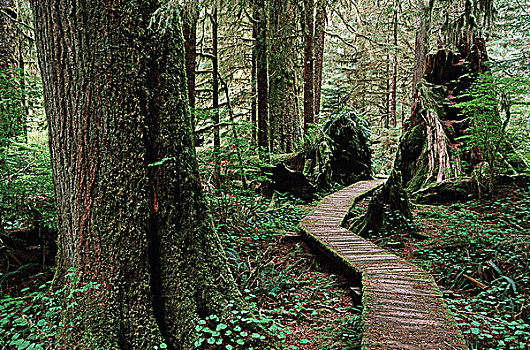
(309, 86)
(477, 250)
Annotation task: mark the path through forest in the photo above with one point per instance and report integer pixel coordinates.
(403, 306)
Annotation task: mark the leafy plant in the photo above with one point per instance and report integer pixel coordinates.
(489, 112)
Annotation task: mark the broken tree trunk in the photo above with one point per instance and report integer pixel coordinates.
(389, 208)
(431, 149)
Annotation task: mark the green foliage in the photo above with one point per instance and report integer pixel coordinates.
(494, 103)
(17, 93)
(26, 187)
(33, 319)
(234, 333)
(480, 251)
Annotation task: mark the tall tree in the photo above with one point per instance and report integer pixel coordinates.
(393, 93)
(422, 39)
(9, 115)
(309, 77)
(190, 16)
(428, 150)
(7, 35)
(262, 74)
(131, 214)
(284, 114)
(320, 35)
(215, 96)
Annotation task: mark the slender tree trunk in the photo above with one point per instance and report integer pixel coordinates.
(393, 103)
(131, 213)
(309, 79)
(7, 35)
(215, 104)
(253, 90)
(9, 123)
(262, 74)
(190, 17)
(320, 29)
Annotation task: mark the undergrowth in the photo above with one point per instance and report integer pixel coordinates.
(287, 291)
(479, 252)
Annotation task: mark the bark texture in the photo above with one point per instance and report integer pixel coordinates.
(320, 29)
(262, 74)
(309, 78)
(284, 114)
(131, 214)
(9, 117)
(429, 149)
(189, 29)
(7, 35)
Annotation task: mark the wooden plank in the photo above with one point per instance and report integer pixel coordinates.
(403, 305)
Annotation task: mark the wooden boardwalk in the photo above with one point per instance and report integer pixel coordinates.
(403, 307)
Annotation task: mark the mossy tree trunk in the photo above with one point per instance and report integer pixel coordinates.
(190, 16)
(284, 114)
(131, 213)
(262, 74)
(11, 121)
(430, 150)
(7, 35)
(320, 35)
(389, 208)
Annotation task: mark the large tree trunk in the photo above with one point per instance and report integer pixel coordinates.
(262, 74)
(393, 102)
(422, 39)
(429, 149)
(254, 86)
(284, 114)
(131, 214)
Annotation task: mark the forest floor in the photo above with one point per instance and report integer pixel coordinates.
(305, 301)
(479, 254)
(478, 251)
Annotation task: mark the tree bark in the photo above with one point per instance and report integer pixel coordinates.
(422, 40)
(393, 103)
(131, 213)
(309, 79)
(10, 122)
(215, 98)
(254, 87)
(320, 28)
(262, 75)
(190, 17)
(284, 114)
(7, 35)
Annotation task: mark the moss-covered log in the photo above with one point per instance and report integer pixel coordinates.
(131, 214)
(339, 154)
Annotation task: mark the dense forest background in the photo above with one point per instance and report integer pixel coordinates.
(286, 101)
